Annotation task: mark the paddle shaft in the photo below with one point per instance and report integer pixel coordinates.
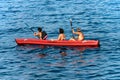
(71, 27)
(29, 27)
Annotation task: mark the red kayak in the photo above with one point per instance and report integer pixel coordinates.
(32, 41)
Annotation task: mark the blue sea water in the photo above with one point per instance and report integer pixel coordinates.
(98, 19)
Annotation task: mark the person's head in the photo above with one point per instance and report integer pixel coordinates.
(61, 30)
(78, 30)
(40, 29)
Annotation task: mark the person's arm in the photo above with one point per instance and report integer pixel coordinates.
(39, 35)
(74, 32)
(35, 34)
(59, 37)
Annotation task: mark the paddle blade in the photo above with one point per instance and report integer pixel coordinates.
(29, 27)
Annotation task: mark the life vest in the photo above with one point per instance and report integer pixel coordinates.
(44, 35)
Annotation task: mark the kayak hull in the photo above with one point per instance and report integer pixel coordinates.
(31, 41)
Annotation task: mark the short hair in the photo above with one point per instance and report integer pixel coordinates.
(40, 29)
(61, 30)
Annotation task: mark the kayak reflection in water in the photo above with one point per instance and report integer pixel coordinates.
(63, 52)
(42, 55)
(79, 33)
(61, 35)
(41, 34)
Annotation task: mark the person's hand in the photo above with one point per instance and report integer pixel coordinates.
(72, 30)
(35, 34)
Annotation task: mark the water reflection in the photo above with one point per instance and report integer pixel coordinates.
(63, 51)
(59, 55)
(59, 59)
(45, 50)
(42, 55)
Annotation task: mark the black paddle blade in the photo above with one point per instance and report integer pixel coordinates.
(31, 30)
(29, 27)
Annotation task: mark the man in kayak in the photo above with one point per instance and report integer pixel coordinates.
(41, 34)
(79, 33)
(61, 35)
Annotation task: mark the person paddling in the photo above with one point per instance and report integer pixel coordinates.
(41, 34)
(79, 33)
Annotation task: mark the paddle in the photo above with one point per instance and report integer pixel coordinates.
(29, 27)
(71, 27)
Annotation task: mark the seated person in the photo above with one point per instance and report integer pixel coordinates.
(61, 35)
(41, 35)
(79, 33)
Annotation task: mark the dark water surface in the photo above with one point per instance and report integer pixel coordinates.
(98, 19)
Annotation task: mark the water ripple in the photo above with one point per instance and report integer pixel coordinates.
(98, 20)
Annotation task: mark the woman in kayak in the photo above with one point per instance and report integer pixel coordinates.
(79, 33)
(41, 34)
(61, 35)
